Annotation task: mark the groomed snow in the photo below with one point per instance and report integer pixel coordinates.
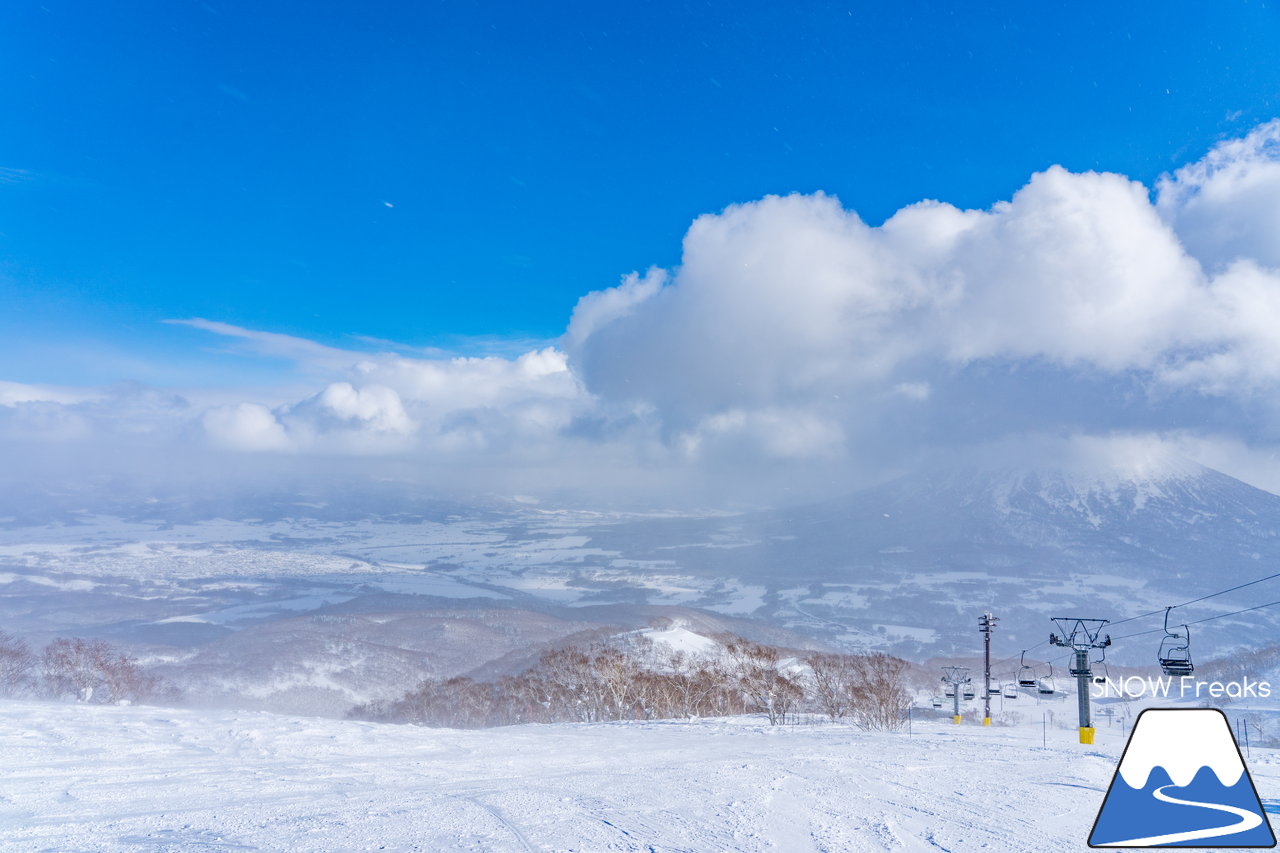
(129, 779)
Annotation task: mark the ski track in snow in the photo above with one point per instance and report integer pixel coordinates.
(107, 779)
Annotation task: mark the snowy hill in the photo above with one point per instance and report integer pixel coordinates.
(115, 779)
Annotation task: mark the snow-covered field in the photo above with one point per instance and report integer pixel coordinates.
(77, 778)
(890, 567)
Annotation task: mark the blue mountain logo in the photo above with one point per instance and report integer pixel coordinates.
(1181, 783)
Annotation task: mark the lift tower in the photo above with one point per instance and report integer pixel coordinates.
(1081, 635)
(956, 676)
(986, 625)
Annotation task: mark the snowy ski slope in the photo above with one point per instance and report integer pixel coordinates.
(76, 778)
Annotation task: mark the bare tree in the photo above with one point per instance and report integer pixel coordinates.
(689, 681)
(717, 694)
(568, 676)
(832, 679)
(70, 668)
(17, 665)
(879, 691)
(95, 671)
(622, 679)
(756, 670)
(619, 674)
(470, 703)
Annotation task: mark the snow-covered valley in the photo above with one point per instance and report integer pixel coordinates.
(108, 779)
(308, 607)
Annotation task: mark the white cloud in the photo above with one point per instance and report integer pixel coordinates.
(374, 407)
(276, 345)
(13, 393)
(126, 411)
(345, 419)
(247, 426)
(795, 334)
(1238, 321)
(446, 385)
(779, 433)
(776, 300)
(1226, 206)
(793, 300)
(913, 390)
(601, 307)
(1077, 269)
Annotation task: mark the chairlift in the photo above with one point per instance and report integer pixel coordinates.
(1026, 675)
(1046, 685)
(1175, 650)
(1106, 673)
(993, 688)
(951, 691)
(968, 691)
(937, 701)
(1011, 691)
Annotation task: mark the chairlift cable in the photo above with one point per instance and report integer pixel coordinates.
(1198, 621)
(1023, 652)
(1192, 601)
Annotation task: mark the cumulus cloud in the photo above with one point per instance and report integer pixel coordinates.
(1077, 269)
(246, 426)
(127, 410)
(775, 300)
(390, 403)
(796, 338)
(473, 383)
(601, 307)
(374, 408)
(794, 304)
(346, 419)
(1226, 206)
(791, 296)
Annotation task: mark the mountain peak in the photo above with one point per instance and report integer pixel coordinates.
(1084, 476)
(1088, 463)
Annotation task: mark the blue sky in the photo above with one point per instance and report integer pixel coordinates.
(459, 174)
(511, 245)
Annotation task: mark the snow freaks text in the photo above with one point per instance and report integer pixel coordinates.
(1186, 687)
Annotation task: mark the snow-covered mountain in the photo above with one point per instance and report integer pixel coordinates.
(932, 550)
(284, 606)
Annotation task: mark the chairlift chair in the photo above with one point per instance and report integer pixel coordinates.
(1106, 672)
(1046, 685)
(968, 691)
(1026, 675)
(937, 701)
(1175, 650)
(1011, 691)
